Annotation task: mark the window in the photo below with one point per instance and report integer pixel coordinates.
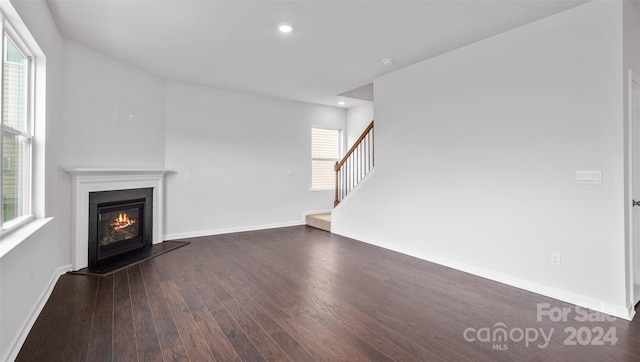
(16, 132)
(325, 151)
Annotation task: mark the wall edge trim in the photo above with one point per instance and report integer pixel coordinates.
(239, 229)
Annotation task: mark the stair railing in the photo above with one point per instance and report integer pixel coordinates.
(355, 165)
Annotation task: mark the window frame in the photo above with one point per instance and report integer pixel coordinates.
(8, 31)
(340, 152)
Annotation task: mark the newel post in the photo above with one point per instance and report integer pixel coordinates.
(336, 201)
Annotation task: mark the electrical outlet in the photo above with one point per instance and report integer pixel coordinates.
(115, 114)
(555, 259)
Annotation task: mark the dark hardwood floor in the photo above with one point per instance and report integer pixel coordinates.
(301, 294)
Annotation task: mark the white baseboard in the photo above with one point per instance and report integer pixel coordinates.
(195, 234)
(620, 311)
(20, 337)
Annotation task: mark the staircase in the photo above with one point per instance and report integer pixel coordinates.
(355, 165)
(350, 171)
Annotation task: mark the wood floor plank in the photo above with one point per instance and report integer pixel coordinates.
(136, 283)
(77, 346)
(124, 338)
(146, 339)
(104, 300)
(101, 344)
(149, 275)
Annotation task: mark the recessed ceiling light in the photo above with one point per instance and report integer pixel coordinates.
(285, 28)
(342, 103)
(388, 61)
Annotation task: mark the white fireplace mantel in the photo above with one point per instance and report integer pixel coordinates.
(86, 180)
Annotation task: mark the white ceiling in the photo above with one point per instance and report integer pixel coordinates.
(336, 46)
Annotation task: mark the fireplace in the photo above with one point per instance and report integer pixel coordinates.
(120, 222)
(85, 181)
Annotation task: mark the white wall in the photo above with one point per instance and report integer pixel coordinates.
(477, 152)
(358, 118)
(94, 86)
(29, 270)
(232, 153)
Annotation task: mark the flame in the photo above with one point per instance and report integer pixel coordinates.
(122, 221)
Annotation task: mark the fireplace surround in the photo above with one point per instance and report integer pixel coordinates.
(86, 181)
(120, 221)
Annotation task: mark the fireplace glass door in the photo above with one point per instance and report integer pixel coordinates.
(120, 227)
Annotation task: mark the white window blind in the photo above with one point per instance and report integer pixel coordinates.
(325, 151)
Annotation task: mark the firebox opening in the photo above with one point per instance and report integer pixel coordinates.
(120, 227)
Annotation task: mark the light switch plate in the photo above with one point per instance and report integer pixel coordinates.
(589, 177)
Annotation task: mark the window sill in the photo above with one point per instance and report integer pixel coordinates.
(13, 238)
(322, 190)
(16, 223)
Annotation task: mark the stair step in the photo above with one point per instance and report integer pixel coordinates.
(320, 221)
